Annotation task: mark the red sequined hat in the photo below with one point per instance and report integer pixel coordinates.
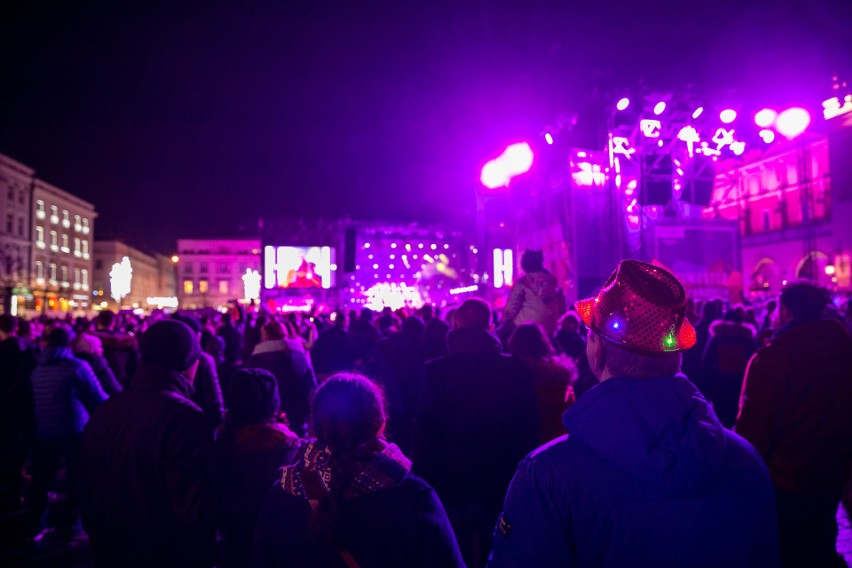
(642, 307)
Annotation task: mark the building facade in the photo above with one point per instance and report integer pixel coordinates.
(16, 181)
(144, 282)
(62, 232)
(209, 272)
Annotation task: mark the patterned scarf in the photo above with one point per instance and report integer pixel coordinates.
(368, 471)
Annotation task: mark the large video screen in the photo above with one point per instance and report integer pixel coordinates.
(298, 267)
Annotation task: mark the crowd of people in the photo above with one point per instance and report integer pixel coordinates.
(624, 430)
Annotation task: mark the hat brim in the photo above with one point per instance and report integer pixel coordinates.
(686, 336)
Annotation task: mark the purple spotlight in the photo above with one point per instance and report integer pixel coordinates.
(518, 158)
(494, 175)
(659, 108)
(792, 122)
(767, 135)
(728, 115)
(623, 103)
(765, 117)
(548, 138)
(697, 112)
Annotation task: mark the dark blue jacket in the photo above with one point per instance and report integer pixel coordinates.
(398, 526)
(65, 393)
(646, 477)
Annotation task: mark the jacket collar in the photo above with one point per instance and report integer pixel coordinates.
(153, 377)
(473, 340)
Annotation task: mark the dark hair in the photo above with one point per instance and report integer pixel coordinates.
(273, 330)
(473, 313)
(8, 323)
(528, 340)
(532, 261)
(253, 398)
(60, 336)
(734, 315)
(804, 300)
(105, 319)
(348, 410)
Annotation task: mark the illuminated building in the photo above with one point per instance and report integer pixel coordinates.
(15, 246)
(210, 271)
(153, 276)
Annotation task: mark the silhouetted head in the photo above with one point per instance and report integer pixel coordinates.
(348, 411)
(528, 340)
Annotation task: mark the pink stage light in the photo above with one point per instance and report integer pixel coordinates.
(728, 115)
(765, 117)
(494, 175)
(623, 104)
(792, 122)
(548, 138)
(697, 112)
(517, 159)
(659, 108)
(767, 135)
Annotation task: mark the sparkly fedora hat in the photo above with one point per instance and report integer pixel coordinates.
(641, 307)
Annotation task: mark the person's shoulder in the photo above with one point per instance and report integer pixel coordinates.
(742, 459)
(556, 457)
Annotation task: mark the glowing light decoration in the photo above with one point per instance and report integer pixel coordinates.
(504, 267)
(723, 137)
(621, 145)
(392, 295)
(588, 175)
(767, 135)
(251, 285)
(120, 278)
(163, 301)
(650, 128)
(728, 115)
(792, 122)
(623, 103)
(659, 108)
(697, 112)
(517, 159)
(738, 148)
(832, 108)
(765, 117)
(464, 290)
(548, 138)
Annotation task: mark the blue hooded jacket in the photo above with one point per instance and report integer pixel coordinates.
(646, 477)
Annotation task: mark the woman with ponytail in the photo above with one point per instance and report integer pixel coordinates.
(350, 500)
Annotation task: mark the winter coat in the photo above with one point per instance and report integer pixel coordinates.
(17, 417)
(796, 406)
(296, 380)
(333, 351)
(121, 352)
(65, 393)
(102, 371)
(145, 481)
(536, 297)
(248, 459)
(476, 419)
(207, 393)
(552, 383)
(646, 477)
(723, 367)
(395, 521)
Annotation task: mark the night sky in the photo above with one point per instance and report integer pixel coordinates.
(195, 121)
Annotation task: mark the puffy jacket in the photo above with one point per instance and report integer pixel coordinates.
(536, 296)
(646, 477)
(65, 393)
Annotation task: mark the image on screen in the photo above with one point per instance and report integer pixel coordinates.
(297, 267)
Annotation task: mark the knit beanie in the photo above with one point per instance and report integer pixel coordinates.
(170, 344)
(254, 396)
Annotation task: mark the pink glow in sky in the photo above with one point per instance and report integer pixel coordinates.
(792, 122)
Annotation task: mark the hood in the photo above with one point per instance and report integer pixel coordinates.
(53, 355)
(154, 377)
(819, 337)
(269, 346)
(473, 340)
(658, 430)
(731, 329)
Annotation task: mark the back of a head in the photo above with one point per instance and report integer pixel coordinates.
(272, 330)
(532, 261)
(170, 344)
(570, 322)
(804, 300)
(253, 397)
(473, 313)
(413, 326)
(60, 336)
(105, 320)
(528, 340)
(348, 411)
(189, 320)
(734, 316)
(366, 315)
(8, 323)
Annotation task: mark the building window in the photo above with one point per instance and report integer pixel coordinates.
(40, 237)
(85, 225)
(65, 243)
(77, 226)
(39, 209)
(85, 246)
(20, 226)
(10, 222)
(76, 278)
(202, 286)
(223, 268)
(54, 242)
(77, 247)
(22, 197)
(187, 267)
(99, 264)
(39, 270)
(52, 274)
(64, 272)
(84, 278)
(203, 268)
(54, 214)
(223, 286)
(11, 194)
(66, 218)
(187, 287)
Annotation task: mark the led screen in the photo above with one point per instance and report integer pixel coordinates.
(298, 267)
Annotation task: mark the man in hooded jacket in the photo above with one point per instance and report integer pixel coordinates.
(647, 476)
